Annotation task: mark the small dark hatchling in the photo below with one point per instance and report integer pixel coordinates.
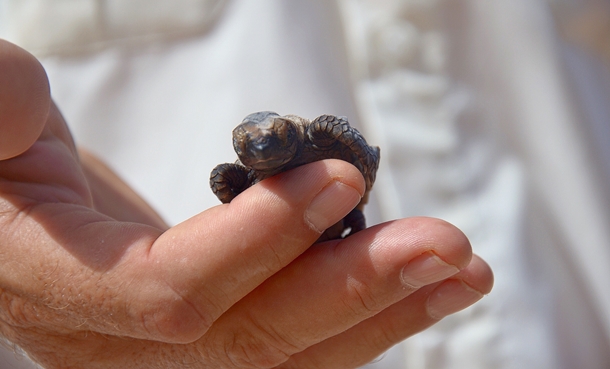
(267, 144)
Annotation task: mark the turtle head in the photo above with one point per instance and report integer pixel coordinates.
(266, 140)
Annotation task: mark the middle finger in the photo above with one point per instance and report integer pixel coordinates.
(334, 286)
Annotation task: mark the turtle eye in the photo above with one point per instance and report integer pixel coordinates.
(239, 140)
(284, 130)
(290, 134)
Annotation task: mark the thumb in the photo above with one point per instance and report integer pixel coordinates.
(217, 257)
(24, 100)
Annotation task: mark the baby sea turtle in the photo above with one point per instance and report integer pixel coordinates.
(267, 144)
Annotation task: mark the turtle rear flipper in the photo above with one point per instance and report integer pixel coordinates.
(354, 221)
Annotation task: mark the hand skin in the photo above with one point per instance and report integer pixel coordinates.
(91, 277)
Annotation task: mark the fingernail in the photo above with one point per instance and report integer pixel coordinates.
(450, 297)
(425, 269)
(329, 206)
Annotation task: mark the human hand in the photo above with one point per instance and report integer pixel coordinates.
(92, 278)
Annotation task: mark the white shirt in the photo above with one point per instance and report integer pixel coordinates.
(489, 114)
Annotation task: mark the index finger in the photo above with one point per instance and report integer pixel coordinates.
(214, 259)
(24, 100)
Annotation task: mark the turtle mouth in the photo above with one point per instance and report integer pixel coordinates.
(262, 164)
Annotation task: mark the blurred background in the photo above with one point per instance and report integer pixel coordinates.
(493, 115)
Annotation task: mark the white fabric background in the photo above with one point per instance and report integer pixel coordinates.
(489, 114)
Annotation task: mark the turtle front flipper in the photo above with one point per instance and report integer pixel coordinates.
(334, 137)
(229, 180)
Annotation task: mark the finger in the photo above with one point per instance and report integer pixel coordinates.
(131, 280)
(24, 100)
(369, 339)
(214, 259)
(334, 286)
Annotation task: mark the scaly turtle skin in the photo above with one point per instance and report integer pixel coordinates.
(267, 144)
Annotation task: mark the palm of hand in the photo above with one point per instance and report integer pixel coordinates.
(46, 208)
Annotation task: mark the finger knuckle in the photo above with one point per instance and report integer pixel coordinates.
(361, 298)
(15, 312)
(259, 348)
(176, 320)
